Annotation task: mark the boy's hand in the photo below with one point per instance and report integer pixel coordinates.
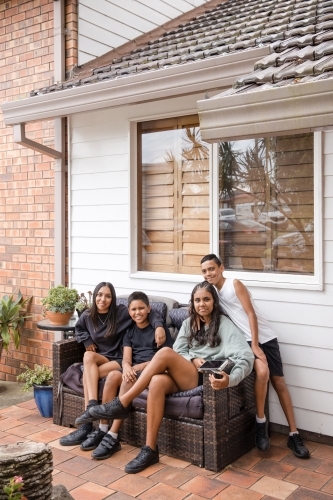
(129, 374)
(259, 353)
(160, 336)
(219, 383)
(140, 367)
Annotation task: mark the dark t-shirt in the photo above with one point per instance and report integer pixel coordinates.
(110, 347)
(142, 342)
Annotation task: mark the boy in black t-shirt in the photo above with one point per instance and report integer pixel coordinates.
(139, 347)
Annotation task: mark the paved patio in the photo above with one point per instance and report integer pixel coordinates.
(275, 474)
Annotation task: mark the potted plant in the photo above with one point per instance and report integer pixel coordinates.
(59, 304)
(83, 303)
(12, 316)
(40, 378)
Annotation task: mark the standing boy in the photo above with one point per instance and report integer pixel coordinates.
(139, 347)
(237, 303)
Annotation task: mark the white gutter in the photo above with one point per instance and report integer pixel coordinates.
(294, 108)
(199, 76)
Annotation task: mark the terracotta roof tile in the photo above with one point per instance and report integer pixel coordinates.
(299, 32)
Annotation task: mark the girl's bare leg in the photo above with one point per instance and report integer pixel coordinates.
(159, 387)
(94, 370)
(86, 399)
(183, 372)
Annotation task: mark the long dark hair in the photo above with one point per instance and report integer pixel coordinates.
(201, 335)
(112, 312)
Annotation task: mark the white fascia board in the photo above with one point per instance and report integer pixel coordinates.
(199, 76)
(275, 111)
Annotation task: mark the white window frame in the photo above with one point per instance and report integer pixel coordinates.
(276, 280)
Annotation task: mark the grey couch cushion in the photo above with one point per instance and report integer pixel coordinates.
(170, 303)
(160, 307)
(177, 316)
(181, 404)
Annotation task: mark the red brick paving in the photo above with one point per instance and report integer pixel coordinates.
(275, 474)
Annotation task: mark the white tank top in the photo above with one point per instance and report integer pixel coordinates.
(232, 306)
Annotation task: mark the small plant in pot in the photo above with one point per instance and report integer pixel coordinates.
(83, 303)
(59, 304)
(40, 379)
(12, 317)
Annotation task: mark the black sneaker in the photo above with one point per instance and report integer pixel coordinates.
(110, 411)
(93, 439)
(262, 439)
(106, 448)
(295, 443)
(85, 418)
(146, 457)
(74, 438)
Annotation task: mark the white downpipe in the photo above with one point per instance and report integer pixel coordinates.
(59, 135)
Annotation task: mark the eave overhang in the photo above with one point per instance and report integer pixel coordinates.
(274, 111)
(200, 76)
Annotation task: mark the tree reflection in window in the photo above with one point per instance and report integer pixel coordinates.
(266, 204)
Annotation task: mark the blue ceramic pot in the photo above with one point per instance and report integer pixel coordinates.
(43, 395)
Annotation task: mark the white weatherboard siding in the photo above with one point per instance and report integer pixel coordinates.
(107, 24)
(100, 174)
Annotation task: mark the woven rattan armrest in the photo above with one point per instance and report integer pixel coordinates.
(65, 353)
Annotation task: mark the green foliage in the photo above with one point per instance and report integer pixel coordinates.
(12, 318)
(61, 299)
(84, 302)
(13, 489)
(39, 375)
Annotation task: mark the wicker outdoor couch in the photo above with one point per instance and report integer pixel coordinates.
(224, 431)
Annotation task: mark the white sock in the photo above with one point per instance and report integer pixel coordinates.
(260, 420)
(104, 427)
(113, 434)
(292, 433)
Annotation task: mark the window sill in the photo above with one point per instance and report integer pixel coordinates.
(250, 279)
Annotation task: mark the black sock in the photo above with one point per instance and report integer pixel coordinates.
(87, 427)
(92, 402)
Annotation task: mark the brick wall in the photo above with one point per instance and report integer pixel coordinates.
(27, 178)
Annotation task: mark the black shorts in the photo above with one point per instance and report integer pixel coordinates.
(117, 360)
(272, 352)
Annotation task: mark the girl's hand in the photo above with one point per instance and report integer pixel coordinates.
(219, 383)
(91, 347)
(198, 362)
(160, 336)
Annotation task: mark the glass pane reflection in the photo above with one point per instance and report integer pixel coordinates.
(266, 204)
(175, 198)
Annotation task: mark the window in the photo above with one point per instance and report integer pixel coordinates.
(266, 204)
(173, 201)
